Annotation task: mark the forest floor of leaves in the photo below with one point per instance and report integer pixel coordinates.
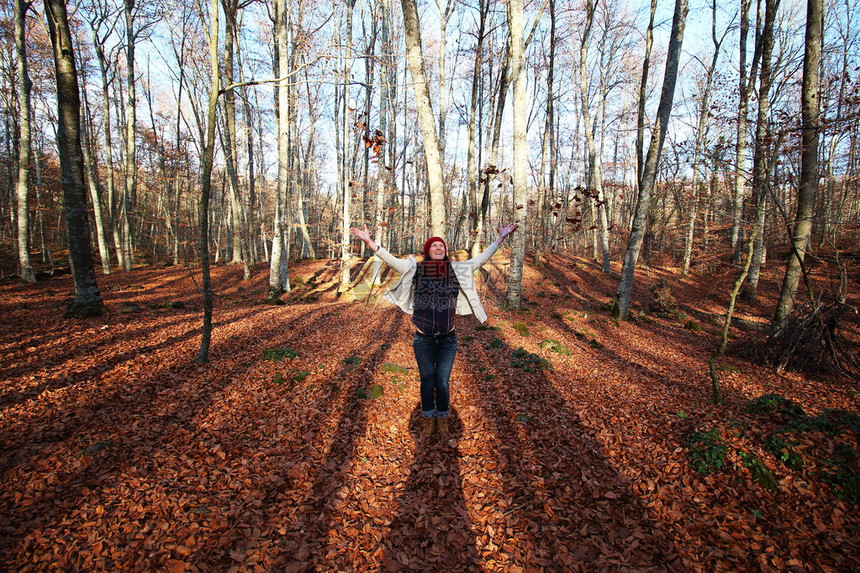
(296, 448)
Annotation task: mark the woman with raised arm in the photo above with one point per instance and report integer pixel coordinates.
(433, 292)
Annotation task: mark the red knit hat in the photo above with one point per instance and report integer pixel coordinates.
(429, 242)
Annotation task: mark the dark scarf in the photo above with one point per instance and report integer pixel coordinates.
(437, 270)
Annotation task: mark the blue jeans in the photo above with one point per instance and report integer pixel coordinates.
(435, 357)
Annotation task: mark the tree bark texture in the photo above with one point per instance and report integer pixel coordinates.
(513, 296)
(25, 85)
(649, 168)
(432, 156)
(206, 185)
(811, 125)
(763, 145)
(87, 298)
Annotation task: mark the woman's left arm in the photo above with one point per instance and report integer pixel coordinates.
(487, 254)
(504, 232)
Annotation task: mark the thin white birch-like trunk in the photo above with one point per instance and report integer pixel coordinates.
(22, 189)
(513, 296)
(649, 167)
(432, 156)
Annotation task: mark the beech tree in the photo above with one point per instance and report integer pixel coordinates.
(648, 176)
(426, 119)
(765, 148)
(518, 72)
(206, 183)
(810, 127)
(702, 125)
(25, 86)
(87, 301)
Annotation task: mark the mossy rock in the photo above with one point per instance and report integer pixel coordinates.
(692, 325)
(394, 368)
(555, 346)
(521, 328)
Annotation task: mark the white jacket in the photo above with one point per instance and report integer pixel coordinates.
(403, 295)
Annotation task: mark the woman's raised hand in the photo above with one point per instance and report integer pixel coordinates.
(506, 230)
(362, 233)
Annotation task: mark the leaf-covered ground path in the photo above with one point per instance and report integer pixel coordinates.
(118, 452)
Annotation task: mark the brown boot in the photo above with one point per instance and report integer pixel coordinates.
(427, 428)
(443, 426)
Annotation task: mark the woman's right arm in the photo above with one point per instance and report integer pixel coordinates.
(399, 265)
(364, 235)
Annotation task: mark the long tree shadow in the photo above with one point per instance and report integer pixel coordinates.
(565, 506)
(160, 411)
(431, 529)
(99, 367)
(310, 522)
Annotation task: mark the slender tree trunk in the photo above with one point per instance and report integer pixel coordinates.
(130, 168)
(473, 177)
(593, 165)
(277, 284)
(432, 155)
(385, 104)
(206, 185)
(111, 191)
(347, 181)
(25, 268)
(88, 301)
(643, 95)
(701, 132)
(740, 175)
(811, 126)
(445, 13)
(93, 184)
(649, 169)
(763, 145)
(513, 297)
(230, 147)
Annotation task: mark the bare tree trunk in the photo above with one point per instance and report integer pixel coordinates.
(25, 85)
(763, 146)
(250, 220)
(88, 301)
(548, 145)
(727, 322)
(445, 13)
(230, 148)
(701, 132)
(347, 181)
(740, 175)
(432, 156)
(206, 185)
(811, 126)
(649, 170)
(107, 128)
(643, 95)
(93, 184)
(513, 296)
(385, 120)
(593, 161)
(277, 282)
(129, 167)
(474, 215)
